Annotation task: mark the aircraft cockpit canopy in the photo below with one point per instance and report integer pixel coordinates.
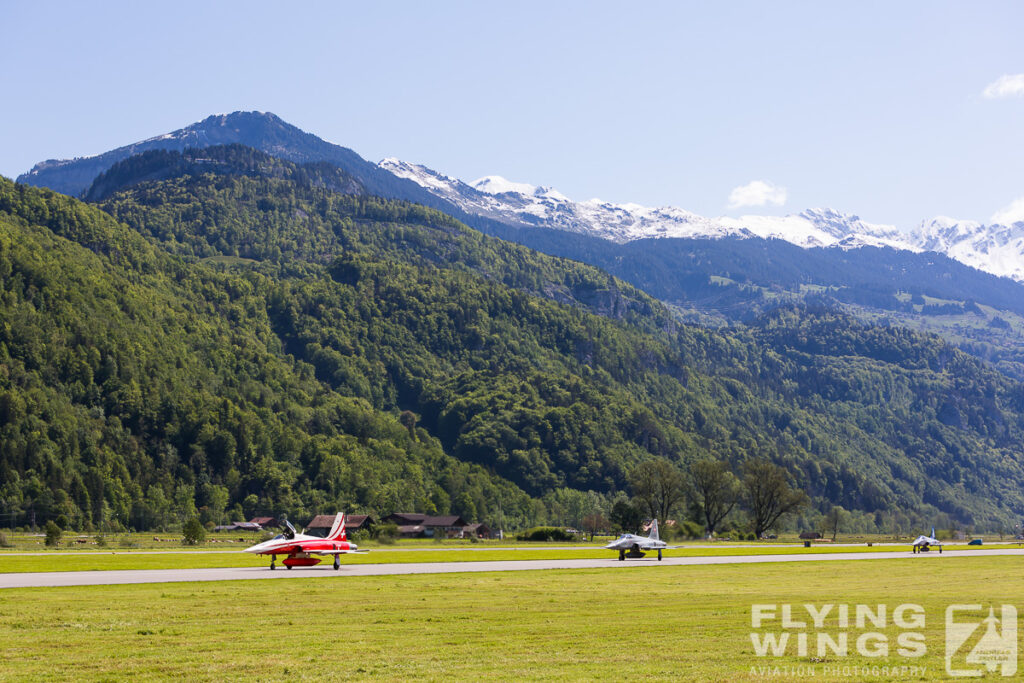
(289, 530)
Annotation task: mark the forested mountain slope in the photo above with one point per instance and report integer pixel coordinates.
(271, 304)
(710, 281)
(722, 281)
(135, 387)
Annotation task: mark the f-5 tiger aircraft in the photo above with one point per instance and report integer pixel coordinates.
(299, 549)
(923, 544)
(637, 544)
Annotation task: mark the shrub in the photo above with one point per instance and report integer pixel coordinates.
(386, 533)
(689, 530)
(101, 541)
(62, 522)
(4, 541)
(193, 532)
(546, 533)
(53, 533)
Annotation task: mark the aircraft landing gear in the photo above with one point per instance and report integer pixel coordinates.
(337, 562)
(659, 554)
(272, 565)
(622, 555)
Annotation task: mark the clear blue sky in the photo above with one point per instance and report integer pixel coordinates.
(871, 108)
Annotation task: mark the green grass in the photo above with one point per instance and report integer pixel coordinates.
(184, 559)
(678, 623)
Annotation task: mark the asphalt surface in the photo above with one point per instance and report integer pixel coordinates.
(93, 578)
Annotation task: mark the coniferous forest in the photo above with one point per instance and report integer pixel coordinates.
(222, 333)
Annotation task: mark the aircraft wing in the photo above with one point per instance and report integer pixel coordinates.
(922, 540)
(336, 552)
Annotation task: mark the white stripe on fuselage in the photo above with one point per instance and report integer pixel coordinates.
(274, 543)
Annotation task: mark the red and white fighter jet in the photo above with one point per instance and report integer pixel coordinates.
(299, 548)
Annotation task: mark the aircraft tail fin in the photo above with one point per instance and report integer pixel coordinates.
(933, 532)
(654, 530)
(337, 532)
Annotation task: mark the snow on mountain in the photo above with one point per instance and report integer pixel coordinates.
(495, 184)
(822, 228)
(523, 204)
(995, 248)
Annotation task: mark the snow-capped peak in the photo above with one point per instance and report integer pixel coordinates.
(495, 184)
(530, 205)
(996, 249)
(421, 175)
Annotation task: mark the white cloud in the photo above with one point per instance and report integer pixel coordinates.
(757, 193)
(1007, 85)
(1011, 214)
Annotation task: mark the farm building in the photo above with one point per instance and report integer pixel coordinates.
(416, 525)
(476, 529)
(321, 524)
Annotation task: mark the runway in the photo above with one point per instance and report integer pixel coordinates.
(116, 577)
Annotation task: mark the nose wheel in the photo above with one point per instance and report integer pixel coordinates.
(337, 562)
(272, 565)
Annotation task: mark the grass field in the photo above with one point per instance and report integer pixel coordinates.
(186, 559)
(21, 541)
(680, 623)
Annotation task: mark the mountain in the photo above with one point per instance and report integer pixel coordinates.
(520, 204)
(252, 338)
(944, 277)
(263, 131)
(995, 248)
(492, 203)
(712, 271)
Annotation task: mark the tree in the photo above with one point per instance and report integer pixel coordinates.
(593, 523)
(570, 507)
(768, 494)
(408, 420)
(836, 517)
(659, 486)
(716, 489)
(193, 532)
(626, 517)
(53, 533)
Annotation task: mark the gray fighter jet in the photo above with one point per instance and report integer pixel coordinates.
(923, 544)
(635, 545)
